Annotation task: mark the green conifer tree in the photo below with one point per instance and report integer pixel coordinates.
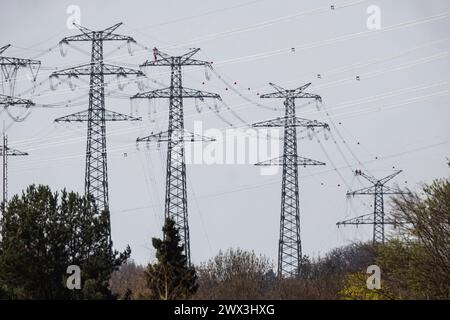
(42, 233)
(170, 277)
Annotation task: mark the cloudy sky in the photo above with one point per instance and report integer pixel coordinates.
(394, 117)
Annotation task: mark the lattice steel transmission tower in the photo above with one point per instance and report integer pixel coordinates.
(289, 248)
(9, 67)
(6, 152)
(377, 218)
(96, 174)
(176, 193)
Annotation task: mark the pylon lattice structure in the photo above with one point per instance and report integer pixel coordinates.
(6, 152)
(377, 218)
(96, 174)
(6, 101)
(176, 194)
(290, 249)
(9, 67)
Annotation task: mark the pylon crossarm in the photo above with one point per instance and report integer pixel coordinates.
(364, 219)
(88, 36)
(193, 93)
(183, 135)
(160, 59)
(295, 93)
(159, 93)
(6, 101)
(389, 190)
(189, 54)
(394, 222)
(84, 30)
(368, 177)
(167, 93)
(104, 35)
(290, 94)
(390, 177)
(363, 191)
(2, 49)
(291, 122)
(301, 89)
(18, 62)
(84, 116)
(109, 69)
(368, 219)
(109, 31)
(195, 62)
(13, 152)
(164, 59)
(168, 62)
(292, 160)
(277, 94)
(277, 87)
(86, 70)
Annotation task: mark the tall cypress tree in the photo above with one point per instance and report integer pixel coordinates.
(170, 277)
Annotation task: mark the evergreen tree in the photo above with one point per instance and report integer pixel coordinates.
(170, 277)
(42, 233)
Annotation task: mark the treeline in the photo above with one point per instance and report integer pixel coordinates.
(414, 263)
(42, 233)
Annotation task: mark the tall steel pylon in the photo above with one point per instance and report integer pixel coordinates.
(176, 193)
(8, 69)
(377, 218)
(6, 152)
(289, 247)
(96, 174)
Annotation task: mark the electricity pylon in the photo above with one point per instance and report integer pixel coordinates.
(9, 67)
(6, 152)
(176, 193)
(289, 247)
(377, 218)
(96, 174)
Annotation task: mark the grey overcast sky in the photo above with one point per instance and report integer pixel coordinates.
(395, 117)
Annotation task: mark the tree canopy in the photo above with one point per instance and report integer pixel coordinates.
(42, 233)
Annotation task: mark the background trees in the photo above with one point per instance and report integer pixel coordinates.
(426, 237)
(235, 274)
(128, 282)
(42, 233)
(415, 263)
